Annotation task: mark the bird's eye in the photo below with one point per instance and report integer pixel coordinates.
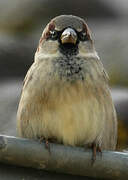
(83, 36)
(53, 35)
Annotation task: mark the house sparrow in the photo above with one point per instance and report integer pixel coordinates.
(65, 94)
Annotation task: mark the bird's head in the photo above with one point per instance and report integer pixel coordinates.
(66, 35)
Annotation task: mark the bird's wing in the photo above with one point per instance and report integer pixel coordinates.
(109, 136)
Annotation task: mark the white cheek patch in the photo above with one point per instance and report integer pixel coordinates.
(87, 50)
(89, 55)
(85, 47)
(49, 47)
(41, 56)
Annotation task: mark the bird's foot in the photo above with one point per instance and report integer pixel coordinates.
(47, 145)
(95, 148)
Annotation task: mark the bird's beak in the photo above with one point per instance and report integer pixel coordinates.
(68, 36)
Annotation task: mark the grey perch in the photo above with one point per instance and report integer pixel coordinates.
(65, 159)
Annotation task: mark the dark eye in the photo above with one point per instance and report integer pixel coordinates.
(53, 35)
(83, 36)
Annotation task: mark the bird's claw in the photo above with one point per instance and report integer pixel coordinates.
(47, 145)
(95, 148)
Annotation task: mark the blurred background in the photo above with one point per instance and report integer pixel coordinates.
(21, 24)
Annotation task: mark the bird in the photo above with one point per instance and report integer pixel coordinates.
(66, 95)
